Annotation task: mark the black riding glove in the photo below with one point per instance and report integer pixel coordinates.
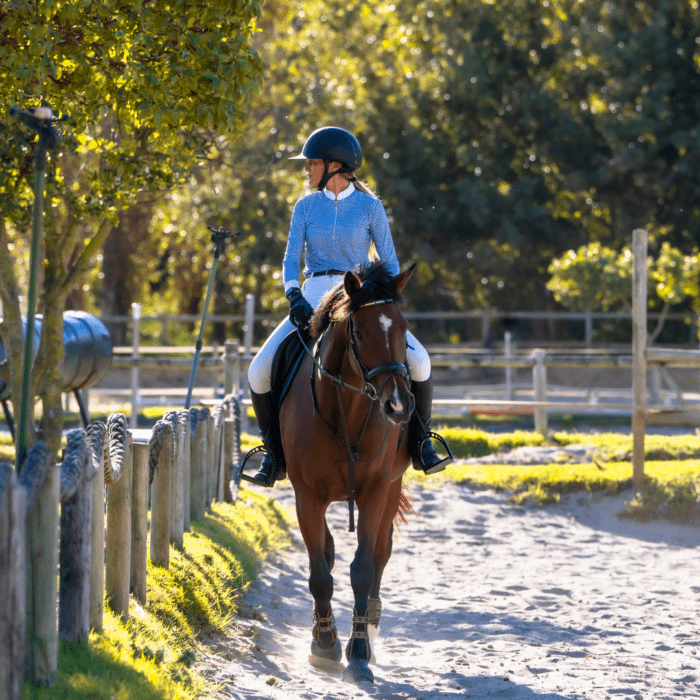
(300, 311)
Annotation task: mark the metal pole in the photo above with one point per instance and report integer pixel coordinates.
(41, 120)
(218, 236)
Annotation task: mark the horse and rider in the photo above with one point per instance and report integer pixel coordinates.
(335, 228)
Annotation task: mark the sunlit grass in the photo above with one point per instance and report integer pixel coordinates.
(152, 655)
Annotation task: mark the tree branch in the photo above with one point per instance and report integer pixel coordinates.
(659, 324)
(82, 263)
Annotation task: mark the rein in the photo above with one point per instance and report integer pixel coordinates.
(367, 390)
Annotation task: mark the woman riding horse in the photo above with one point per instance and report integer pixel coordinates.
(335, 228)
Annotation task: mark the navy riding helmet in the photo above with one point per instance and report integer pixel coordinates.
(332, 143)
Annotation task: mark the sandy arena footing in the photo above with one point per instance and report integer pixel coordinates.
(485, 599)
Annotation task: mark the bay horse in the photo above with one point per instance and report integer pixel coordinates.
(344, 424)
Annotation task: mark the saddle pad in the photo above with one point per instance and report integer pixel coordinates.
(286, 364)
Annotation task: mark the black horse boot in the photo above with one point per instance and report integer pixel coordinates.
(420, 447)
(263, 405)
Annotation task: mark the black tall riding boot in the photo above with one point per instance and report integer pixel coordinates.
(425, 458)
(266, 415)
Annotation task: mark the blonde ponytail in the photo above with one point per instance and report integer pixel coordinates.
(364, 187)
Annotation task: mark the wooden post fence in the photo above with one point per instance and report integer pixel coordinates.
(639, 348)
(92, 564)
(539, 380)
(139, 521)
(77, 471)
(13, 563)
(162, 451)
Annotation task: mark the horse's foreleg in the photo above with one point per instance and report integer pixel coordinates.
(325, 647)
(329, 547)
(382, 554)
(358, 650)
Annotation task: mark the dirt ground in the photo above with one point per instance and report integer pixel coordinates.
(485, 599)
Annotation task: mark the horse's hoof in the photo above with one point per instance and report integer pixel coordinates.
(358, 670)
(327, 659)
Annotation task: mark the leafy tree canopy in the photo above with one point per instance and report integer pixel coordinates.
(148, 87)
(598, 277)
(498, 134)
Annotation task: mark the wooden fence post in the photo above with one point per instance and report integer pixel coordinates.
(118, 540)
(230, 361)
(539, 380)
(508, 349)
(139, 521)
(75, 551)
(198, 487)
(135, 342)
(186, 418)
(13, 587)
(162, 447)
(228, 427)
(42, 582)
(588, 321)
(232, 461)
(96, 434)
(639, 348)
(180, 421)
(209, 450)
(218, 458)
(217, 421)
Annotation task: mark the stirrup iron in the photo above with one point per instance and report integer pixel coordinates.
(430, 435)
(246, 477)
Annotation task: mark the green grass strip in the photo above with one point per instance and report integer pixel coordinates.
(151, 656)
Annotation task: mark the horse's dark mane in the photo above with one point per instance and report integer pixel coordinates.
(336, 305)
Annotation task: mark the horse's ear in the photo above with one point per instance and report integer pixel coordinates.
(351, 282)
(403, 277)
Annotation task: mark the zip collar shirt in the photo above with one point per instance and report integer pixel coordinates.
(336, 233)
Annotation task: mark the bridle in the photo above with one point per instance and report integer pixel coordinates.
(369, 390)
(389, 368)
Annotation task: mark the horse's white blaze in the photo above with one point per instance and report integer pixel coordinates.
(396, 399)
(386, 324)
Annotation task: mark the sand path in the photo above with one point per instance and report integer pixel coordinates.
(484, 599)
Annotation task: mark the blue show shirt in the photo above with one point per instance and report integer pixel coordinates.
(336, 233)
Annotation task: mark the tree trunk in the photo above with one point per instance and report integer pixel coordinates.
(119, 287)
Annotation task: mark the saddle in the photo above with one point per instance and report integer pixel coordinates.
(286, 364)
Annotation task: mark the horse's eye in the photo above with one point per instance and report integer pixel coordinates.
(358, 336)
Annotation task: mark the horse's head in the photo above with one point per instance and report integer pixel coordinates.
(377, 339)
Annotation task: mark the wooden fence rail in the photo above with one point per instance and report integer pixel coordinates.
(476, 318)
(106, 468)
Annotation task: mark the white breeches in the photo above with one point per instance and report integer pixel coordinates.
(260, 371)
